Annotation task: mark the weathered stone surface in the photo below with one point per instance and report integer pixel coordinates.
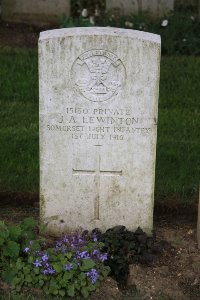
(155, 8)
(37, 11)
(98, 124)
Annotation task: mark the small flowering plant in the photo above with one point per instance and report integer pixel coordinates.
(74, 265)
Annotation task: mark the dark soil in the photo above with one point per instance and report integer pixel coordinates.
(19, 35)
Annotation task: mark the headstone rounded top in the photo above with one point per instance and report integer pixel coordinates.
(95, 31)
(98, 127)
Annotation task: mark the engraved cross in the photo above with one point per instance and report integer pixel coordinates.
(97, 173)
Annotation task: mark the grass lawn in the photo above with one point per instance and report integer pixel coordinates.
(178, 148)
(19, 153)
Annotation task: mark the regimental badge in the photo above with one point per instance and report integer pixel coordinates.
(98, 75)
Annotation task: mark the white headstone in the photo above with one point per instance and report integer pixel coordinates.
(98, 125)
(156, 8)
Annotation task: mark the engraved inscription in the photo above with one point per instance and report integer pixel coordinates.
(98, 75)
(97, 173)
(101, 125)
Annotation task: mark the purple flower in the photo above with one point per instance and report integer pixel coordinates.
(80, 240)
(26, 250)
(45, 272)
(66, 240)
(68, 267)
(48, 271)
(45, 257)
(77, 262)
(95, 238)
(103, 257)
(51, 271)
(83, 254)
(63, 249)
(37, 263)
(93, 275)
(58, 245)
(96, 252)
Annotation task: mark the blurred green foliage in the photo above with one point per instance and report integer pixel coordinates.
(180, 31)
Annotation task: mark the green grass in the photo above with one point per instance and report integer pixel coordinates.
(19, 152)
(178, 148)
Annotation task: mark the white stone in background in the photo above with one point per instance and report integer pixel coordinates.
(35, 12)
(124, 7)
(156, 8)
(98, 125)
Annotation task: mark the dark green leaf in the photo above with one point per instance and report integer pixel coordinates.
(14, 232)
(36, 271)
(57, 267)
(62, 293)
(70, 290)
(4, 233)
(41, 282)
(8, 276)
(84, 292)
(18, 288)
(30, 259)
(87, 265)
(16, 281)
(28, 235)
(1, 241)
(43, 228)
(12, 249)
(28, 224)
(81, 276)
(19, 264)
(26, 270)
(53, 284)
(35, 246)
(69, 255)
(68, 275)
(55, 292)
(28, 278)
